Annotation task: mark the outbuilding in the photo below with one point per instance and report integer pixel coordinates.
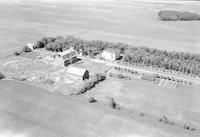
(111, 54)
(30, 46)
(82, 73)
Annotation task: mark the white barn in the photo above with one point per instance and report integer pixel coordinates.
(82, 73)
(30, 46)
(110, 54)
(66, 57)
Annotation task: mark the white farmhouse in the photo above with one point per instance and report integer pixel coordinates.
(110, 54)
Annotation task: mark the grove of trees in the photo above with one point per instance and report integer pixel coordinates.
(88, 47)
(177, 61)
(170, 15)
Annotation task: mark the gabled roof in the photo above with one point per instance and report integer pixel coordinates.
(76, 71)
(68, 54)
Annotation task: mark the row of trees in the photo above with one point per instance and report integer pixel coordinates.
(90, 83)
(177, 61)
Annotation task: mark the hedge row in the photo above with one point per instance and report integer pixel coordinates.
(90, 83)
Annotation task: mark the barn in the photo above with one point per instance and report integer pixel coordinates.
(82, 73)
(111, 54)
(66, 57)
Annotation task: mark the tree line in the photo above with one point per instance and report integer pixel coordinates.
(87, 47)
(176, 61)
(171, 15)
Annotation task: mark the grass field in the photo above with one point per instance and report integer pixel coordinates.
(180, 104)
(26, 111)
(122, 21)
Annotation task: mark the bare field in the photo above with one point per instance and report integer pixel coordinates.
(131, 22)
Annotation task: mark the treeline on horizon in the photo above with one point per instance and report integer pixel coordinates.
(172, 15)
(177, 61)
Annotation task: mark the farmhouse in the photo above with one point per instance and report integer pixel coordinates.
(111, 54)
(66, 57)
(82, 73)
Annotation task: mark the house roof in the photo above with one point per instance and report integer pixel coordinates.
(76, 71)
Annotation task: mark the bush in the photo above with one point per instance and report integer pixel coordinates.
(92, 100)
(17, 53)
(2, 76)
(89, 84)
(167, 15)
(165, 120)
(186, 127)
(113, 104)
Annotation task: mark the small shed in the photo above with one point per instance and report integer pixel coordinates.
(82, 73)
(111, 54)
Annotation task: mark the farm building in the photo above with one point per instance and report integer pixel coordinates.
(30, 46)
(66, 57)
(111, 54)
(82, 73)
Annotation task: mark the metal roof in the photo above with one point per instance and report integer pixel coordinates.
(76, 71)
